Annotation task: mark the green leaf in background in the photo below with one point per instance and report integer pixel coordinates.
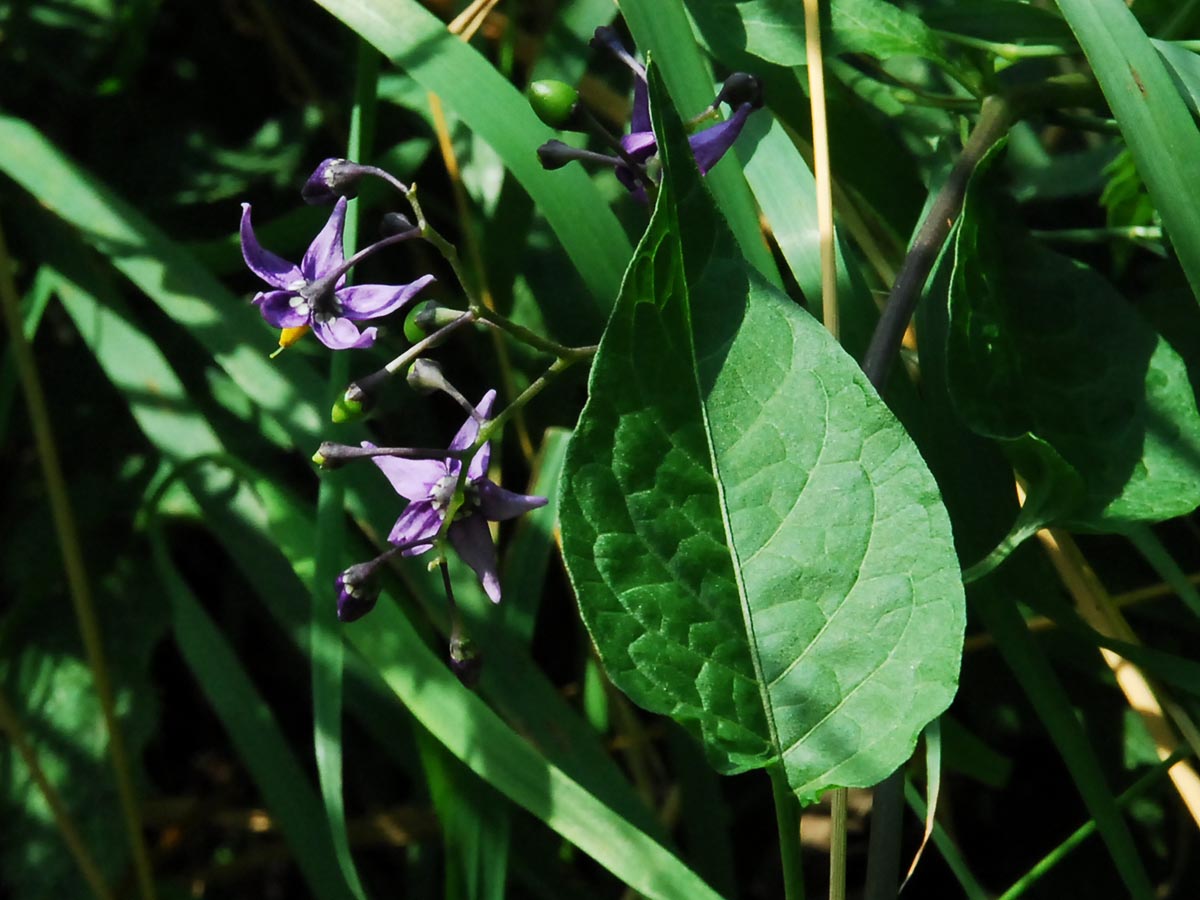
(758, 548)
(1184, 67)
(1153, 117)
(774, 29)
(1042, 346)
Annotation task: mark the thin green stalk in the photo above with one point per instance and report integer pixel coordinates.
(328, 650)
(1087, 829)
(11, 725)
(787, 821)
(72, 552)
(837, 844)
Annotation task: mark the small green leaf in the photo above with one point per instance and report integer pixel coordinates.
(1042, 346)
(758, 548)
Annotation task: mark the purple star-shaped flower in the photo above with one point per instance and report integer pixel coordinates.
(314, 294)
(708, 146)
(428, 485)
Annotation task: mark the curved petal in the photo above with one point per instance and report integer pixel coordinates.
(372, 301)
(342, 334)
(640, 120)
(412, 479)
(496, 504)
(709, 145)
(418, 522)
(641, 145)
(274, 270)
(467, 434)
(473, 541)
(280, 309)
(325, 253)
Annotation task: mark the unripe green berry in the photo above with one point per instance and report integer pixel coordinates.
(555, 102)
(412, 328)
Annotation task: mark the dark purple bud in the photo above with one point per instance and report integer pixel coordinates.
(466, 662)
(740, 88)
(555, 154)
(358, 591)
(333, 178)
(395, 223)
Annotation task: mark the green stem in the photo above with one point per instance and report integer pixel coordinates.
(994, 120)
(328, 650)
(837, 844)
(72, 553)
(1055, 856)
(787, 820)
(1008, 51)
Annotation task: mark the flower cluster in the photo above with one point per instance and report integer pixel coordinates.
(559, 106)
(450, 499)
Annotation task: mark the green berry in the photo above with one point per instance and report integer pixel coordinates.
(555, 102)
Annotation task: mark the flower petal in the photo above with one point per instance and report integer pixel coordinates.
(274, 270)
(641, 145)
(372, 301)
(325, 253)
(496, 504)
(278, 309)
(418, 522)
(342, 334)
(709, 145)
(412, 479)
(467, 434)
(473, 541)
(640, 120)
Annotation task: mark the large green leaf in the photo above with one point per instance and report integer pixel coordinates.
(1044, 354)
(1153, 117)
(757, 546)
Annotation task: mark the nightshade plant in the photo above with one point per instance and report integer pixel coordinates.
(842, 449)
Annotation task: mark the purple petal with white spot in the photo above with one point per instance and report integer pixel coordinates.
(709, 145)
(325, 253)
(473, 541)
(412, 479)
(372, 301)
(276, 307)
(418, 523)
(274, 270)
(496, 504)
(342, 334)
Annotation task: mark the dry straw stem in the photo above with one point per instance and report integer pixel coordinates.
(1152, 702)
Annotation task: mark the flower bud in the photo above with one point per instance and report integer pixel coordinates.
(347, 408)
(333, 178)
(466, 662)
(740, 88)
(555, 154)
(358, 591)
(394, 223)
(425, 376)
(556, 103)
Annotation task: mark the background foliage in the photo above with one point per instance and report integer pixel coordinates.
(1057, 338)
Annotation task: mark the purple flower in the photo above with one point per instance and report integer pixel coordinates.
(708, 146)
(314, 294)
(428, 485)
